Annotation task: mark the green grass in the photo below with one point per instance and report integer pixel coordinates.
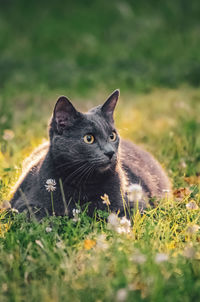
(86, 49)
(42, 266)
(56, 266)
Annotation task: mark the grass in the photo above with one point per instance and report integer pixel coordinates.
(63, 263)
(150, 51)
(72, 262)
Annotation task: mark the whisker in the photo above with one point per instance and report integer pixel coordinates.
(83, 175)
(69, 164)
(89, 173)
(74, 173)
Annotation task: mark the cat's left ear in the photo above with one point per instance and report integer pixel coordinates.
(64, 114)
(109, 106)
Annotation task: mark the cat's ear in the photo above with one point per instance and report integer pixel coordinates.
(109, 106)
(64, 114)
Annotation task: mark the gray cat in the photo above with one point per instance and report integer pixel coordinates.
(84, 160)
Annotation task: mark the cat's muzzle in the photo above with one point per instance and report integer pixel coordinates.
(108, 164)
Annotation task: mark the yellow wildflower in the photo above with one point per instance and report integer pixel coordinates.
(105, 199)
(89, 244)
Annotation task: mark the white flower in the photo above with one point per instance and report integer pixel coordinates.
(166, 190)
(192, 229)
(75, 213)
(124, 226)
(121, 294)
(48, 229)
(161, 257)
(101, 242)
(189, 251)
(166, 193)
(113, 221)
(134, 192)
(192, 205)
(125, 222)
(120, 230)
(119, 225)
(14, 210)
(50, 185)
(138, 257)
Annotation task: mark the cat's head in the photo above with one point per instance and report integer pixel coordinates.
(88, 140)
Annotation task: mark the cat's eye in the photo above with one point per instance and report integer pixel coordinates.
(89, 139)
(113, 136)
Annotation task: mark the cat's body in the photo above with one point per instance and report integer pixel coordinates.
(86, 160)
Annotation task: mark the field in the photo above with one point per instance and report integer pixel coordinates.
(85, 50)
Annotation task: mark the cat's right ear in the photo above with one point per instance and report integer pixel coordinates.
(109, 106)
(64, 114)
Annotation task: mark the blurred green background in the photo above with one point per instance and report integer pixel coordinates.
(79, 46)
(86, 49)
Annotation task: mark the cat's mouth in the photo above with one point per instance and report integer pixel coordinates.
(106, 166)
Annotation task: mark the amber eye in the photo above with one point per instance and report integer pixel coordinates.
(113, 136)
(88, 139)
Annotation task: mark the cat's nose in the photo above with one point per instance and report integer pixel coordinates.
(109, 153)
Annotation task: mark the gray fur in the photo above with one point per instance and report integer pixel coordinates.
(86, 171)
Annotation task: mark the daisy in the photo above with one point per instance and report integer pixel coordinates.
(75, 213)
(192, 205)
(124, 226)
(101, 242)
(48, 229)
(134, 192)
(192, 229)
(50, 185)
(113, 221)
(122, 294)
(161, 257)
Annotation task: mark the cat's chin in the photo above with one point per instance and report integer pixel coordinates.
(106, 167)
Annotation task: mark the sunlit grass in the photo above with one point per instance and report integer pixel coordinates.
(83, 258)
(157, 255)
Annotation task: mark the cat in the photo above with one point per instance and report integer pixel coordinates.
(86, 162)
